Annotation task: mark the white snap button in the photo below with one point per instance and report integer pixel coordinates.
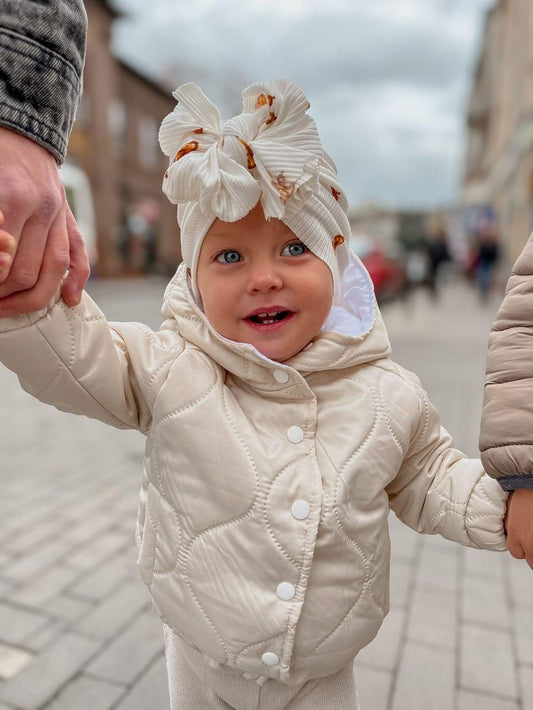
(281, 376)
(286, 591)
(300, 509)
(269, 658)
(295, 434)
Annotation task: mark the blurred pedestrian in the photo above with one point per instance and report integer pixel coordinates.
(42, 48)
(279, 432)
(486, 258)
(438, 255)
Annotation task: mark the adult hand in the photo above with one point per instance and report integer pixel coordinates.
(519, 524)
(36, 214)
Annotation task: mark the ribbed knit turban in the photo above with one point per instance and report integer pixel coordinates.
(270, 153)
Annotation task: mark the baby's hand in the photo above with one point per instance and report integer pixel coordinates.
(519, 524)
(7, 251)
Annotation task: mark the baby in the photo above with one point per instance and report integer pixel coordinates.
(279, 431)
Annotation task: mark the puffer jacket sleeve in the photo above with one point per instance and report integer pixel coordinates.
(439, 490)
(42, 52)
(77, 361)
(506, 439)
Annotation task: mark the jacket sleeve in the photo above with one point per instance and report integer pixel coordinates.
(506, 440)
(77, 361)
(439, 490)
(42, 51)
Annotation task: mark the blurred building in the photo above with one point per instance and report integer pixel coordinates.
(498, 172)
(114, 142)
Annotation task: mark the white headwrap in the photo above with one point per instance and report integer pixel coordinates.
(270, 153)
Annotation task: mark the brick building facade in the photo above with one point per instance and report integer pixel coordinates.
(114, 141)
(499, 159)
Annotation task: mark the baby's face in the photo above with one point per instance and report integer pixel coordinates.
(259, 284)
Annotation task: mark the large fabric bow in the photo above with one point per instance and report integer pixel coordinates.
(270, 152)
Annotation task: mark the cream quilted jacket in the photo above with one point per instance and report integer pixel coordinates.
(263, 512)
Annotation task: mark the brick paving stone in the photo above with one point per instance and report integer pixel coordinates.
(520, 580)
(12, 660)
(401, 579)
(66, 608)
(484, 563)
(116, 610)
(475, 701)
(150, 692)
(37, 561)
(373, 686)
(383, 651)
(483, 601)
(526, 685)
(41, 679)
(426, 679)
(437, 569)
(433, 617)
(100, 582)
(131, 651)
(487, 661)
(16, 623)
(405, 542)
(47, 635)
(523, 618)
(89, 694)
(39, 591)
(91, 554)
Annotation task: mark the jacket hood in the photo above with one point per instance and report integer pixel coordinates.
(353, 334)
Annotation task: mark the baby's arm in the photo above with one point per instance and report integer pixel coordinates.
(439, 490)
(506, 440)
(77, 361)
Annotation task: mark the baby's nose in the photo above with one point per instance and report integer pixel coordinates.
(265, 277)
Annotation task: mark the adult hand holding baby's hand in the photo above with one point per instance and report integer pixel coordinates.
(36, 214)
(519, 524)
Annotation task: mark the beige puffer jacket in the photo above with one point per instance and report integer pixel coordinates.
(506, 433)
(263, 517)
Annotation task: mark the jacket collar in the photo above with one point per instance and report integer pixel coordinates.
(354, 332)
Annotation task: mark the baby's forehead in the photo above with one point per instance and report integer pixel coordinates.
(254, 226)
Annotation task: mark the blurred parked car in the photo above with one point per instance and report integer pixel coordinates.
(388, 275)
(79, 197)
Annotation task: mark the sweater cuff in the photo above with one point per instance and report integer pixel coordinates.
(39, 92)
(513, 483)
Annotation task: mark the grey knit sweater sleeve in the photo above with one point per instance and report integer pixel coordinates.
(42, 51)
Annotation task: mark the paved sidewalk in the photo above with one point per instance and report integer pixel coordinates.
(76, 628)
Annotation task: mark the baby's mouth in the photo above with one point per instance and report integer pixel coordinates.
(270, 317)
(269, 320)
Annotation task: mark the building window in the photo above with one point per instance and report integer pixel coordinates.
(148, 147)
(118, 126)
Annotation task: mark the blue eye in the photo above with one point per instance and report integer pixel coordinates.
(229, 257)
(294, 249)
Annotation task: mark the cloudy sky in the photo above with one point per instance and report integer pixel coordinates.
(388, 80)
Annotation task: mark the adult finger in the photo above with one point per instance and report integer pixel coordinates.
(55, 263)
(79, 269)
(32, 244)
(7, 251)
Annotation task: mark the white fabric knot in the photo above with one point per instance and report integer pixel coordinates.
(270, 152)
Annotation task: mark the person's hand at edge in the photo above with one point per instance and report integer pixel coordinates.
(519, 524)
(36, 214)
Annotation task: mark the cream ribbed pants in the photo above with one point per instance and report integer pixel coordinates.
(193, 685)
